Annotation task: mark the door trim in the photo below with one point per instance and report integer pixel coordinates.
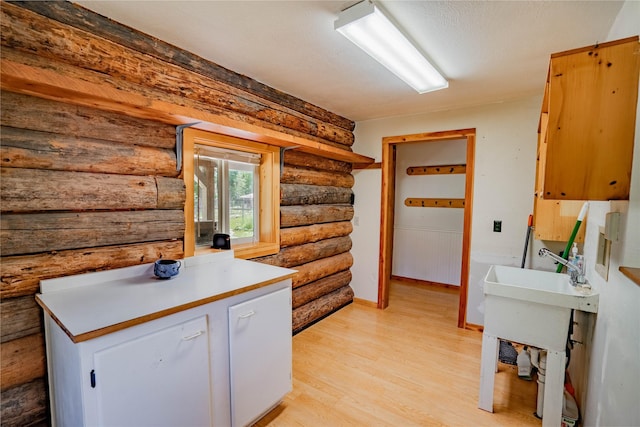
(387, 210)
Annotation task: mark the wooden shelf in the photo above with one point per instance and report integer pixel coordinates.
(632, 273)
(34, 81)
(376, 165)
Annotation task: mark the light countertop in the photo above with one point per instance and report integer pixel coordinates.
(89, 305)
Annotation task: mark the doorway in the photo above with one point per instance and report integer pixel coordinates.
(387, 213)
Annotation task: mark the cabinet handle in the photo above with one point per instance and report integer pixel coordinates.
(247, 314)
(192, 336)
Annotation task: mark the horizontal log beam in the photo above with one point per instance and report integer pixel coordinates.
(302, 254)
(305, 176)
(33, 34)
(304, 194)
(25, 405)
(314, 290)
(34, 113)
(320, 268)
(312, 233)
(21, 275)
(22, 148)
(22, 360)
(171, 193)
(21, 78)
(305, 160)
(19, 317)
(33, 233)
(305, 315)
(158, 92)
(293, 216)
(25, 190)
(79, 17)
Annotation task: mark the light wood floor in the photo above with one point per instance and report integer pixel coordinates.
(408, 365)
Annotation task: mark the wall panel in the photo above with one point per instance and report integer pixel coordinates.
(429, 255)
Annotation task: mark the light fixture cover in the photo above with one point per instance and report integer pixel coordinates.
(369, 29)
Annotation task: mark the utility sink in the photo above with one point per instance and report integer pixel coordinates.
(543, 287)
(530, 307)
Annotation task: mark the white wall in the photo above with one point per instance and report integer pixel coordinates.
(427, 243)
(366, 231)
(505, 157)
(613, 391)
(610, 389)
(504, 177)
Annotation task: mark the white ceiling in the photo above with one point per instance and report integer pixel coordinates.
(489, 50)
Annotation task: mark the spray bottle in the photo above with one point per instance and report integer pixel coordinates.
(574, 253)
(524, 365)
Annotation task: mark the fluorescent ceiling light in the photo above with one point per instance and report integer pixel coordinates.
(369, 29)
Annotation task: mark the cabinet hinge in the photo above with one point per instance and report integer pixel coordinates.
(93, 378)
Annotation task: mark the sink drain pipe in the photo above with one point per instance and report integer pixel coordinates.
(539, 360)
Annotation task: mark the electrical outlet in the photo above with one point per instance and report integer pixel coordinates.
(497, 226)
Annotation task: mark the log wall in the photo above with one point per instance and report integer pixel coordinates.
(85, 189)
(82, 190)
(315, 223)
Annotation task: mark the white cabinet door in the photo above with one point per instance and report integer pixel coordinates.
(260, 354)
(160, 379)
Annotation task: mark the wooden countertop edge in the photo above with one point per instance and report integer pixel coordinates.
(632, 273)
(158, 314)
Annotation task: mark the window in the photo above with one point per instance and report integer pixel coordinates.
(233, 187)
(226, 194)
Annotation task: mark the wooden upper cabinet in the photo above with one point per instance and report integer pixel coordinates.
(585, 134)
(587, 123)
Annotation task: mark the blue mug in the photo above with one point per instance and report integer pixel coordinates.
(166, 268)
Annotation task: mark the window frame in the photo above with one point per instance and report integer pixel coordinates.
(268, 242)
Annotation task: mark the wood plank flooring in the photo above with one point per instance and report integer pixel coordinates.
(408, 365)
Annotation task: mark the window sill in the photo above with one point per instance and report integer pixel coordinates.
(246, 250)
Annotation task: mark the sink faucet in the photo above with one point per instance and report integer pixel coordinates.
(576, 273)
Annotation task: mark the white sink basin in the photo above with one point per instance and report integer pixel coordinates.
(530, 307)
(543, 287)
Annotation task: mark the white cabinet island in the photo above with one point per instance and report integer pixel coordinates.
(208, 347)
